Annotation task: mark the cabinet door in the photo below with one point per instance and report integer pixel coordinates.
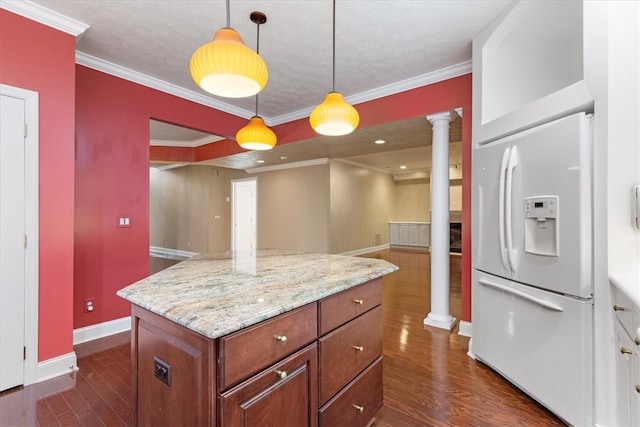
(424, 235)
(285, 394)
(403, 234)
(414, 234)
(394, 237)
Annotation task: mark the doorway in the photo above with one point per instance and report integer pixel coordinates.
(244, 208)
(19, 243)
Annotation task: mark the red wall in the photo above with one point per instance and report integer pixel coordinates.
(41, 59)
(112, 179)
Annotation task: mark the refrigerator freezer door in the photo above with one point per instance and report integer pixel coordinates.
(488, 232)
(539, 341)
(553, 167)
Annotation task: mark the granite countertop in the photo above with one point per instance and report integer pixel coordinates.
(216, 294)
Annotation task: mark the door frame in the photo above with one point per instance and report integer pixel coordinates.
(233, 210)
(31, 100)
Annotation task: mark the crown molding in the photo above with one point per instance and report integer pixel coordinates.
(382, 91)
(154, 83)
(189, 144)
(292, 165)
(45, 16)
(361, 165)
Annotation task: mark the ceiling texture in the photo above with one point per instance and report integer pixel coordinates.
(382, 47)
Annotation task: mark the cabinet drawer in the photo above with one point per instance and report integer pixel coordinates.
(627, 313)
(338, 309)
(345, 352)
(357, 404)
(256, 347)
(284, 394)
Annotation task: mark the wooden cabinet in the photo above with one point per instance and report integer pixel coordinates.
(284, 394)
(627, 329)
(350, 356)
(320, 363)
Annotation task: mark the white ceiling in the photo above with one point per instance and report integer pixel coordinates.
(382, 46)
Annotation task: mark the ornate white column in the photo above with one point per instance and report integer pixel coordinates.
(439, 315)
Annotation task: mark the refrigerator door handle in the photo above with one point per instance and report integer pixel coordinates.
(501, 209)
(511, 253)
(524, 295)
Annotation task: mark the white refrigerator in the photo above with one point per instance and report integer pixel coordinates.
(532, 294)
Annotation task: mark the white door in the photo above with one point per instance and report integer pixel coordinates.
(12, 241)
(243, 216)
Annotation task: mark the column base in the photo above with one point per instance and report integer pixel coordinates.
(439, 321)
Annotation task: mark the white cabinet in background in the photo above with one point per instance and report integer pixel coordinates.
(627, 329)
(411, 234)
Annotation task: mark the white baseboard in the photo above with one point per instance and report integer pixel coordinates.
(464, 328)
(366, 250)
(159, 252)
(470, 352)
(57, 366)
(101, 330)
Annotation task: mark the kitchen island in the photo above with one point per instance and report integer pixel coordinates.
(279, 338)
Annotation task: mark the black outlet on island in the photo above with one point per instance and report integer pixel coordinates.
(162, 370)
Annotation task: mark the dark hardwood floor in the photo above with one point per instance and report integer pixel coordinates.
(428, 378)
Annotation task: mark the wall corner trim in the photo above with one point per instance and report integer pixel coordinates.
(101, 330)
(57, 366)
(465, 329)
(45, 16)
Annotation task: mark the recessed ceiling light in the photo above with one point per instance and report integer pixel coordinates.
(379, 141)
(259, 161)
(403, 167)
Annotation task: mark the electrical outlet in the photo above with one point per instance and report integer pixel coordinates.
(88, 305)
(162, 370)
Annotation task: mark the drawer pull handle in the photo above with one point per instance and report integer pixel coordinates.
(638, 388)
(361, 408)
(618, 308)
(358, 301)
(282, 339)
(625, 350)
(281, 374)
(637, 341)
(359, 348)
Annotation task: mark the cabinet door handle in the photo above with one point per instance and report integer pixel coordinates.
(359, 408)
(359, 348)
(358, 301)
(637, 340)
(638, 388)
(281, 374)
(282, 339)
(625, 350)
(618, 308)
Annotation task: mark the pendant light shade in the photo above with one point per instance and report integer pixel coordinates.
(334, 116)
(227, 67)
(256, 135)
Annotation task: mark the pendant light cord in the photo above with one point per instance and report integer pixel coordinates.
(333, 79)
(258, 52)
(228, 16)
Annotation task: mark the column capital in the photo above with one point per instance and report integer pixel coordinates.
(447, 116)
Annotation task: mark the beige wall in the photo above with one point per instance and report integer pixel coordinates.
(361, 205)
(328, 208)
(293, 209)
(412, 201)
(184, 203)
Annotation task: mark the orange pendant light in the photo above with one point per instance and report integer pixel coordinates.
(334, 117)
(227, 67)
